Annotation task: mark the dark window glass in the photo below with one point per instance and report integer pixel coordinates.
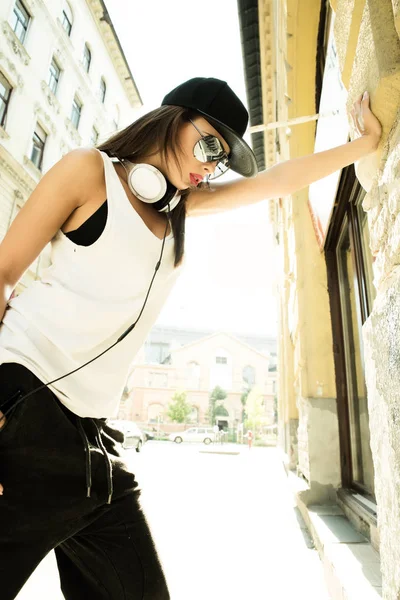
(54, 76)
(103, 90)
(38, 144)
(20, 21)
(76, 112)
(87, 58)
(5, 93)
(221, 360)
(95, 137)
(67, 19)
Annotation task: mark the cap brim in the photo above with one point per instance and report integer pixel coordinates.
(241, 157)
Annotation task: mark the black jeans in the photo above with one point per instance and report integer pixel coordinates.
(103, 551)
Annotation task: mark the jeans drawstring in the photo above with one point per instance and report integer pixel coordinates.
(108, 463)
(88, 459)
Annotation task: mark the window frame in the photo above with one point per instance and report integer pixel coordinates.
(103, 90)
(87, 57)
(23, 9)
(348, 197)
(41, 146)
(5, 101)
(67, 19)
(51, 76)
(92, 141)
(76, 102)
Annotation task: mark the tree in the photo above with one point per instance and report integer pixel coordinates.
(178, 408)
(254, 409)
(243, 400)
(217, 395)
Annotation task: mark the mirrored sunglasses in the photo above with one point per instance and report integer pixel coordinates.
(210, 149)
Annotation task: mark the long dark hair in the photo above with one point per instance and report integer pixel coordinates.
(156, 131)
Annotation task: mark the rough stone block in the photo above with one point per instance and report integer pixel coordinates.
(396, 13)
(376, 68)
(346, 31)
(381, 334)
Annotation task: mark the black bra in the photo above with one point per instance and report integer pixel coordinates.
(90, 231)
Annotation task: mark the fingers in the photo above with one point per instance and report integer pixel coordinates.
(1, 490)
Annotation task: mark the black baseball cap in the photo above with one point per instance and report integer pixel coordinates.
(219, 105)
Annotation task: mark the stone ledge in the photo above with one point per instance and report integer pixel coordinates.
(351, 565)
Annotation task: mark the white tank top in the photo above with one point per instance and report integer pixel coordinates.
(86, 298)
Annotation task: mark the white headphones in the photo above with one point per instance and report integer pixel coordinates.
(150, 186)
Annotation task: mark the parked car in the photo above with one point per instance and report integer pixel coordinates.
(194, 434)
(133, 437)
(149, 435)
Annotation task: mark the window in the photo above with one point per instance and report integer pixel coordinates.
(94, 137)
(87, 58)
(76, 112)
(54, 76)
(38, 144)
(103, 90)
(5, 93)
(157, 352)
(20, 21)
(221, 360)
(67, 19)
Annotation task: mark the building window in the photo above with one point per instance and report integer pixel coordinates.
(103, 90)
(38, 144)
(67, 19)
(54, 76)
(95, 137)
(76, 112)
(87, 58)
(5, 93)
(221, 360)
(20, 21)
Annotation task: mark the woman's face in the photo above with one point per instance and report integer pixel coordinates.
(192, 171)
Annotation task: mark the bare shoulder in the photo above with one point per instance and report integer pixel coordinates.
(76, 175)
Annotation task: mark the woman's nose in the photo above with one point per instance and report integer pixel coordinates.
(210, 167)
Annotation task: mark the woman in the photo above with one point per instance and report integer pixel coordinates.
(115, 217)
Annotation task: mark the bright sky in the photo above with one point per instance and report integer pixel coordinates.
(228, 280)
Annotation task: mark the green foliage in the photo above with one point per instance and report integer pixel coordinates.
(178, 408)
(217, 395)
(254, 410)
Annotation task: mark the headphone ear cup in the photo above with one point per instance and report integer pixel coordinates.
(147, 183)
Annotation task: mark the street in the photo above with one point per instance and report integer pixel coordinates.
(225, 525)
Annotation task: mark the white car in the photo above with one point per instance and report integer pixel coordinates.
(133, 437)
(194, 434)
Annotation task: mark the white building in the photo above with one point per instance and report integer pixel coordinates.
(64, 82)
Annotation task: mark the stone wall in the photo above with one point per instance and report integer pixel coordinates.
(367, 35)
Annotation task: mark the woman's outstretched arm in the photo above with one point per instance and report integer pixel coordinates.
(293, 175)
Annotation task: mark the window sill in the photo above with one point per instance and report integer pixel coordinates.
(3, 134)
(50, 97)
(361, 516)
(32, 168)
(73, 132)
(15, 44)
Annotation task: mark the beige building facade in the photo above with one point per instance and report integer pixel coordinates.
(64, 83)
(339, 280)
(197, 368)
